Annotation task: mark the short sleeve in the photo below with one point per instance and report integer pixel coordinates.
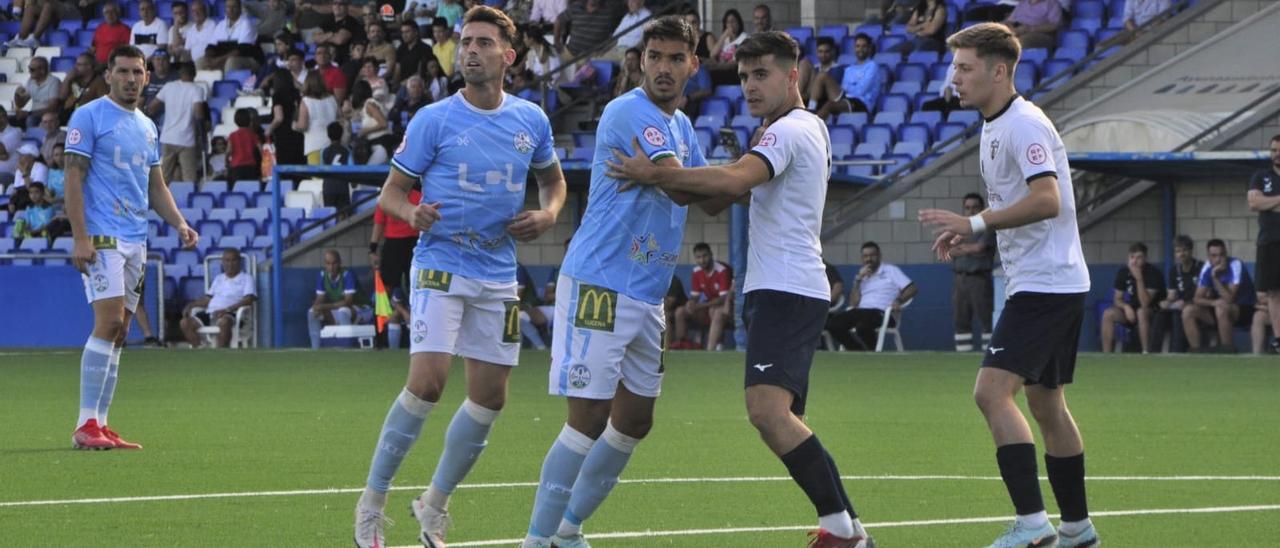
(216, 286)
(348, 283)
(544, 155)
(1121, 279)
(900, 279)
(1203, 279)
(1033, 145)
(1153, 278)
(1256, 183)
(249, 288)
(1237, 272)
(648, 127)
(777, 146)
(80, 133)
(418, 148)
(320, 283)
(153, 155)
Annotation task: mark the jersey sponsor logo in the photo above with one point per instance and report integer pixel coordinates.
(433, 279)
(74, 137)
(768, 140)
(579, 376)
(996, 350)
(654, 136)
(511, 322)
(645, 249)
(1036, 154)
(597, 308)
(104, 242)
(762, 366)
(403, 143)
(1266, 184)
(523, 142)
(469, 238)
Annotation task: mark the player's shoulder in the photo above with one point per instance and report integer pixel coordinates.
(1025, 113)
(631, 104)
(797, 121)
(523, 107)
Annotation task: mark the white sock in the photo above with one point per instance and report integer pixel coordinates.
(1073, 528)
(435, 498)
(838, 524)
(858, 530)
(568, 529)
(373, 499)
(1031, 521)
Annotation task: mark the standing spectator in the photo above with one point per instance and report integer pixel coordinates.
(857, 91)
(391, 245)
(235, 41)
(295, 61)
(273, 15)
(53, 136)
(630, 77)
(927, 27)
(450, 10)
(109, 34)
(762, 18)
(244, 149)
(335, 297)
(1225, 294)
(10, 140)
(420, 12)
(83, 85)
(585, 26)
(149, 33)
(546, 12)
(39, 95)
(629, 39)
(1138, 290)
(230, 290)
(827, 62)
(1036, 23)
(340, 30)
(334, 79)
(178, 44)
(371, 73)
(351, 68)
(710, 299)
(161, 74)
(877, 290)
(1264, 197)
(732, 33)
(444, 47)
(382, 50)
(973, 292)
(414, 98)
(217, 164)
(288, 142)
(184, 106)
(199, 34)
(317, 110)
(410, 54)
(1183, 275)
(541, 59)
(336, 191)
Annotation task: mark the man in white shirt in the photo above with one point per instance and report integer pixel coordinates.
(1032, 209)
(233, 38)
(150, 32)
(878, 289)
(183, 102)
(786, 288)
(636, 12)
(230, 290)
(546, 12)
(10, 140)
(39, 94)
(198, 35)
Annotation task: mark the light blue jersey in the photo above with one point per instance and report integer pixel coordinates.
(475, 163)
(630, 241)
(122, 147)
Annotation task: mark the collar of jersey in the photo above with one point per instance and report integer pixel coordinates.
(1003, 110)
(113, 102)
(640, 90)
(463, 99)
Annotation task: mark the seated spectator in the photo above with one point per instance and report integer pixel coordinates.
(674, 300)
(878, 289)
(1261, 321)
(351, 67)
(1224, 296)
(10, 141)
(38, 96)
(371, 73)
(1036, 23)
(382, 50)
(444, 46)
(84, 84)
(927, 27)
(41, 218)
(198, 35)
(827, 56)
(296, 62)
(732, 33)
(630, 77)
(696, 89)
(336, 190)
(334, 79)
(858, 89)
(53, 135)
(948, 100)
(177, 44)
(411, 52)
(230, 291)
(415, 97)
(436, 81)
(55, 186)
(710, 300)
(235, 42)
(541, 58)
(272, 16)
(369, 126)
(1183, 275)
(420, 12)
(149, 33)
(1140, 12)
(109, 34)
(762, 18)
(340, 30)
(627, 37)
(335, 297)
(451, 11)
(37, 17)
(705, 39)
(894, 12)
(586, 25)
(244, 148)
(1138, 290)
(218, 159)
(29, 169)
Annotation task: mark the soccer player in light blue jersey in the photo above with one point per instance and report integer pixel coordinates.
(112, 178)
(472, 153)
(607, 350)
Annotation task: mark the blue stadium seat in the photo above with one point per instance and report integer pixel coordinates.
(582, 154)
(842, 134)
(63, 63)
(562, 153)
(322, 212)
(709, 121)
(192, 287)
(947, 130)
(57, 37)
(62, 245)
(84, 37)
(238, 75)
(719, 153)
(1074, 54)
(836, 32)
(1075, 39)
(741, 106)
(1034, 55)
(604, 73)
(233, 241)
(731, 92)
(192, 215)
(855, 119)
(925, 58)
(584, 139)
(1103, 35)
(211, 230)
(894, 103)
(235, 200)
(261, 242)
(841, 150)
(1087, 25)
(248, 188)
(887, 59)
(1055, 66)
(870, 150)
(745, 120)
(222, 214)
(927, 117)
(877, 133)
(870, 29)
(911, 72)
(202, 201)
(717, 106)
(906, 88)
(165, 245)
(34, 245)
(889, 41)
(6, 245)
(894, 119)
(706, 138)
(899, 160)
(1025, 78)
(859, 170)
(188, 257)
(263, 200)
(156, 228)
(214, 187)
(246, 227)
(225, 88)
(744, 135)
(938, 71)
(966, 117)
(1088, 9)
(292, 214)
(801, 34)
(71, 26)
(915, 133)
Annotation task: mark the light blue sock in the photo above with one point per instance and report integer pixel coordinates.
(600, 472)
(399, 431)
(109, 387)
(93, 375)
(463, 443)
(393, 335)
(314, 326)
(559, 470)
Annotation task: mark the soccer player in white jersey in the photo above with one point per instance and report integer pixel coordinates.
(1032, 209)
(606, 355)
(787, 295)
(112, 178)
(472, 152)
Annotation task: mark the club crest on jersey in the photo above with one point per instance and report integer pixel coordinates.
(524, 143)
(1036, 154)
(403, 143)
(654, 136)
(74, 137)
(995, 146)
(1266, 184)
(419, 331)
(768, 140)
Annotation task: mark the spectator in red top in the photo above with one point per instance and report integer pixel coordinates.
(334, 79)
(244, 155)
(110, 33)
(396, 239)
(710, 301)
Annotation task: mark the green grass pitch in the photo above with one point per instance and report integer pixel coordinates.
(1163, 433)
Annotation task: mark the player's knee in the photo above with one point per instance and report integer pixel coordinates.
(112, 327)
(635, 427)
(989, 400)
(426, 389)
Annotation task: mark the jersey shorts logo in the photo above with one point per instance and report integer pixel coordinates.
(524, 143)
(579, 376)
(597, 308)
(104, 242)
(511, 322)
(1036, 154)
(74, 137)
(419, 331)
(654, 136)
(768, 140)
(99, 283)
(433, 279)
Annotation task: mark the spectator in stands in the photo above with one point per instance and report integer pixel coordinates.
(244, 149)
(307, 18)
(986, 11)
(857, 91)
(29, 170)
(541, 59)
(1138, 290)
(1140, 12)
(828, 53)
(335, 297)
(927, 27)
(947, 99)
(371, 73)
(288, 142)
(674, 300)
(878, 289)
(56, 185)
(317, 110)
(39, 95)
(1258, 329)
(695, 90)
(10, 140)
(161, 74)
(149, 33)
(217, 163)
(1264, 197)
(894, 12)
(333, 77)
(340, 31)
(295, 61)
(629, 39)
(235, 42)
(444, 47)
(732, 33)
(367, 107)
(54, 137)
(585, 26)
(420, 12)
(710, 299)
(630, 76)
(836, 281)
(184, 107)
(434, 78)
(230, 291)
(705, 39)
(41, 218)
(382, 50)
(37, 16)
(177, 43)
(336, 191)
(1036, 23)
(84, 84)
(410, 54)
(762, 18)
(199, 34)
(414, 98)
(973, 292)
(273, 15)
(351, 68)
(1183, 275)
(546, 12)
(1224, 295)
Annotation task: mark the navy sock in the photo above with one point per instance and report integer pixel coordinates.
(1018, 468)
(1066, 476)
(810, 468)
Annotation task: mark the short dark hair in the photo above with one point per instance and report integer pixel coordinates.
(1216, 243)
(495, 17)
(440, 22)
(295, 52)
(975, 196)
(702, 246)
(126, 51)
(1275, 138)
(244, 117)
(673, 28)
(1138, 246)
(1184, 241)
(826, 41)
(183, 5)
(863, 36)
(872, 245)
(635, 51)
(776, 43)
(335, 131)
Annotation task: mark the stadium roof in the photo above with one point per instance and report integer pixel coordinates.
(1173, 166)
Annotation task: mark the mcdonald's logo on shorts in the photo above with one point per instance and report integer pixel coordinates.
(433, 279)
(511, 322)
(104, 242)
(597, 308)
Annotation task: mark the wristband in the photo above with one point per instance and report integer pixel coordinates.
(373, 247)
(977, 224)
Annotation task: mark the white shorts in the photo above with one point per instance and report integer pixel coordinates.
(608, 338)
(118, 271)
(465, 317)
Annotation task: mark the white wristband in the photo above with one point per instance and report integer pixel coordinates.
(977, 224)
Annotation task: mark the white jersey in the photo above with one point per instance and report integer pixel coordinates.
(785, 252)
(1019, 145)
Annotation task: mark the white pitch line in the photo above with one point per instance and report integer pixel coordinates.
(531, 484)
(884, 525)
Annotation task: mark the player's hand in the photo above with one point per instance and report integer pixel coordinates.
(945, 245)
(188, 236)
(528, 225)
(1135, 269)
(83, 254)
(941, 220)
(424, 216)
(633, 170)
(374, 260)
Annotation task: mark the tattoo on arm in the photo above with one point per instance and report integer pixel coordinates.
(76, 162)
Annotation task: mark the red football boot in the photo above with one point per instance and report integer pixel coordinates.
(824, 539)
(119, 443)
(90, 437)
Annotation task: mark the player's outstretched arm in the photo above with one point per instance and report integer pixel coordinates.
(733, 179)
(395, 201)
(162, 201)
(1043, 202)
(530, 224)
(75, 169)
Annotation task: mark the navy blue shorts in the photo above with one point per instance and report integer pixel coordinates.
(1037, 337)
(783, 330)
